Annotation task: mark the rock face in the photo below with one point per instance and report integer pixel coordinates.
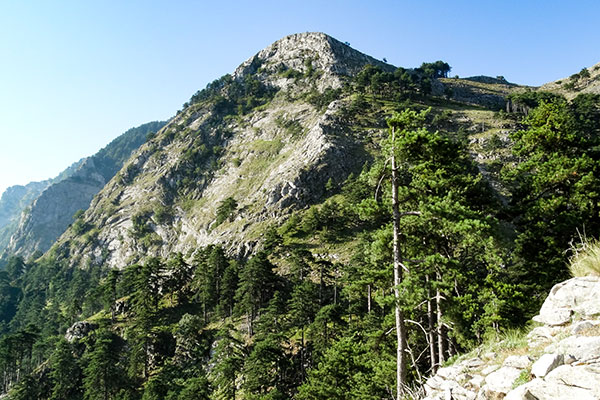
(12, 203)
(272, 159)
(51, 211)
(79, 330)
(563, 360)
(16, 199)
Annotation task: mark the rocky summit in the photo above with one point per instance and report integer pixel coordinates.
(272, 158)
(558, 359)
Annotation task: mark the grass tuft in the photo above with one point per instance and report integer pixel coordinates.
(586, 258)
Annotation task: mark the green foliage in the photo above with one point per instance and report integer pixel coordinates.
(555, 188)
(523, 378)
(226, 210)
(256, 285)
(438, 69)
(103, 375)
(79, 226)
(230, 95)
(162, 213)
(289, 73)
(65, 373)
(343, 373)
(291, 126)
(322, 100)
(402, 82)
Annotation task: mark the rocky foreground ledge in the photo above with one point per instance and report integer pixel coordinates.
(560, 359)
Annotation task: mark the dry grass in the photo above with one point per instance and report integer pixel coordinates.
(585, 260)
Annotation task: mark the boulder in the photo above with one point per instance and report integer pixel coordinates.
(577, 295)
(582, 326)
(546, 363)
(79, 330)
(582, 348)
(583, 377)
(501, 381)
(539, 389)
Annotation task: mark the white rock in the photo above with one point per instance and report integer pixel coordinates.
(582, 348)
(476, 381)
(434, 383)
(540, 389)
(546, 363)
(521, 362)
(448, 372)
(472, 362)
(541, 332)
(555, 317)
(583, 326)
(576, 295)
(584, 377)
(517, 394)
(502, 380)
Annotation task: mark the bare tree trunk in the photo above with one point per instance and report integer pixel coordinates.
(369, 298)
(440, 327)
(400, 327)
(431, 329)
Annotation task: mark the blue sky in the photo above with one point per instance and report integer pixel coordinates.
(76, 74)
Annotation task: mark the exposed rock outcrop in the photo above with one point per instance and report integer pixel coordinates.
(79, 330)
(562, 359)
(272, 159)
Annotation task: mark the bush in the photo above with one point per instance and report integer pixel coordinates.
(586, 258)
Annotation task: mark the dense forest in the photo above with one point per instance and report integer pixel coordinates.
(287, 322)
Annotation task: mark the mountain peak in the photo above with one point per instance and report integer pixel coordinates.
(307, 51)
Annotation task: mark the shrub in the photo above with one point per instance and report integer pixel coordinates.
(585, 259)
(226, 210)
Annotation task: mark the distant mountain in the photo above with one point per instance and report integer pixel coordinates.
(16, 199)
(46, 209)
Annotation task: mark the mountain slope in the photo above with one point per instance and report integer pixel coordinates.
(269, 136)
(52, 210)
(16, 199)
(585, 81)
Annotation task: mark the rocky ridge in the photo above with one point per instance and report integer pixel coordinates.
(46, 214)
(577, 83)
(16, 199)
(560, 358)
(273, 159)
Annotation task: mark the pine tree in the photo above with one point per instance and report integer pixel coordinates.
(257, 284)
(65, 373)
(103, 375)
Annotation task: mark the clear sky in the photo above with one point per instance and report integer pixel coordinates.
(76, 74)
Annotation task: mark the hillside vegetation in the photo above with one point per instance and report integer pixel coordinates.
(246, 250)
